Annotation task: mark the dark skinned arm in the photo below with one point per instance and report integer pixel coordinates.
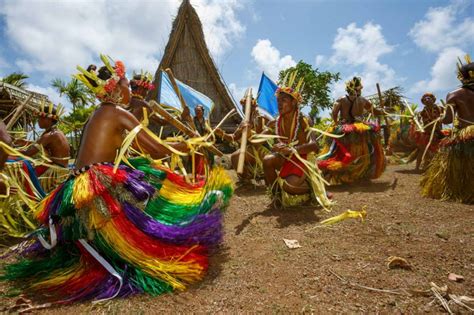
(371, 109)
(146, 142)
(44, 141)
(335, 111)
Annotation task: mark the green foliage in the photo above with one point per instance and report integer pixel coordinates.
(76, 92)
(393, 97)
(75, 120)
(16, 78)
(316, 92)
(83, 104)
(322, 124)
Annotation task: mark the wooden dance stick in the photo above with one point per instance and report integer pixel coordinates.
(179, 125)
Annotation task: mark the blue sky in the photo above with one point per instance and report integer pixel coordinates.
(413, 44)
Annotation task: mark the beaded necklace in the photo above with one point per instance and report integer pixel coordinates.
(295, 126)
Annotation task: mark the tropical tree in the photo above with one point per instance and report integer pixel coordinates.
(82, 101)
(316, 91)
(16, 78)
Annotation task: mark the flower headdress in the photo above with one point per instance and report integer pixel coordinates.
(143, 79)
(466, 75)
(287, 86)
(48, 110)
(354, 85)
(103, 89)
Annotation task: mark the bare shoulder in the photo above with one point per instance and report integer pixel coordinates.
(364, 100)
(453, 95)
(341, 100)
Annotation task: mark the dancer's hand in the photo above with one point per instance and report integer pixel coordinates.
(283, 149)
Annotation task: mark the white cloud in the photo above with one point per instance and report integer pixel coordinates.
(55, 36)
(358, 50)
(269, 59)
(443, 72)
(444, 32)
(442, 28)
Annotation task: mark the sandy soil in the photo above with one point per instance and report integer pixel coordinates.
(256, 272)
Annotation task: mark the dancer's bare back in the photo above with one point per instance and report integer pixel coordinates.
(462, 101)
(105, 132)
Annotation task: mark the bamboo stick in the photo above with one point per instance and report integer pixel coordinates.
(18, 111)
(243, 142)
(178, 92)
(179, 125)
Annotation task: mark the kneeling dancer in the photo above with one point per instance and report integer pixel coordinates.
(290, 170)
(118, 229)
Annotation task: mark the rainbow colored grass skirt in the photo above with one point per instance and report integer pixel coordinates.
(136, 230)
(358, 155)
(450, 175)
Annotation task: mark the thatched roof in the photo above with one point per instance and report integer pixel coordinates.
(11, 97)
(188, 56)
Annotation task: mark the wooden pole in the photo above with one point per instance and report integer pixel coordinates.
(179, 125)
(18, 111)
(243, 141)
(178, 92)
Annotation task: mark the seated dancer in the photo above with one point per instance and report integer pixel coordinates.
(117, 230)
(52, 140)
(450, 173)
(254, 153)
(32, 180)
(358, 154)
(286, 171)
(429, 118)
(53, 143)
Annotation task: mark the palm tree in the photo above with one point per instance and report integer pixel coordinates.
(16, 78)
(79, 96)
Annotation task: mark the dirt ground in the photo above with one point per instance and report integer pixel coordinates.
(337, 269)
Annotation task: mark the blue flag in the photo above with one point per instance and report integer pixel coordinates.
(266, 99)
(168, 97)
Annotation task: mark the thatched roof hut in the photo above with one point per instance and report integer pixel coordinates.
(188, 56)
(11, 97)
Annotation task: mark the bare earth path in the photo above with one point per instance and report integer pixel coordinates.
(256, 272)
